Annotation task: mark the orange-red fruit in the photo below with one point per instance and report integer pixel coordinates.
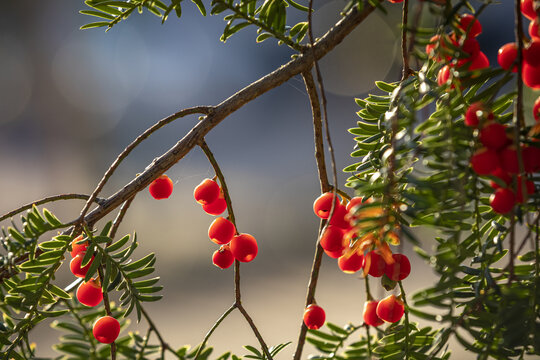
(351, 263)
(484, 161)
(223, 257)
(400, 269)
(334, 254)
(529, 187)
(75, 265)
(534, 31)
(493, 135)
(106, 329)
(531, 54)
(358, 200)
(314, 317)
(161, 188)
(339, 217)
(206, 192)
(536, 109)
(323, 204)
(244, 247)
(89, 293)
(531, 76)
(333, 239)
(470, 25)
(509, 160)
(433, 43)
(76, 249)
(502, 200)
(444, 75)
(531, 158)
(395, 1)
(217, 207)
(507, 56)
(475, 112)
(390, 309)
(501, 174)
(476, 62)
(221, 231)
(370, 314)
(376, 264)
(527, 9)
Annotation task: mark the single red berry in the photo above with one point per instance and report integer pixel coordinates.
(509, 160)
(351, 263)
(106, 329)
(527, 9)
(476, 62)
(470, 25)
(529, 187)
(89, 293)
(206, 192)
(390, 309)
(536, 109)
(370, 314)
(334, 254)
(400, 269)
(531, 76)
(221, 231)
(374, 264)
(531, 54)
(75, 265)
(76, 247)
(470, 46)
(395, 1)
(502, 200)
(433, 44)
(314, 317)
(244, 247)
(444, 75)
(493, 136)
(323, 204)
(339, 217)
(531, 158)
(333, 239)
(507, 56)
(501, 174)
(484, 161)
(217, 207)
(476, 113)
(161, 188)
(357, 200)
(223, 257)
(534, 31)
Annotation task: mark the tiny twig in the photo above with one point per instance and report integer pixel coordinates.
(255, 331)
(116, 223)
(404, 49)
(211, 331)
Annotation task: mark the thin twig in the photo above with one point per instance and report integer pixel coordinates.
(255, 330)
(211, 331)
(404, 49)
(118, 220)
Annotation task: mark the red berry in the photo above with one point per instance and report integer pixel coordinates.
(531, 54)
(502, 201)
(333, 239)
(400, 269)
(314, 317)
(531, 76)
(534, 31)
(351, 263)
(395, 1)
(509, 160)
(339, 217)
(484, 161)
(221, 231)
(206, 192)
(323, 204)
(76, 248)
(390, 309)
(223, 257)
(334, 254)
(531, 158)
(444, 75)
(106, 329)
(244, 247)
(374, 264)
(477, 112)
(536, 109)
(357, 200)
(493, 136)
(161, 188)
(507, 56)
(477, 62)
(89, 293)
(470, 25)
(527, 9)
(217, 207)
(434, 42)
(75, 265)
(501, 174)
(370, 314)
(529, 186)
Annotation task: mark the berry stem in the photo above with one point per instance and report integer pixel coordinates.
(406, 72)
(212, 329)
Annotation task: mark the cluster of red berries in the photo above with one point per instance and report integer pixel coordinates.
(531, 53)
(499, 158)
(106, 329)
(389, 309)
(470, 56)
(242, 247)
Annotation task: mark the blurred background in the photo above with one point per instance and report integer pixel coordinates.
(71, 100)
